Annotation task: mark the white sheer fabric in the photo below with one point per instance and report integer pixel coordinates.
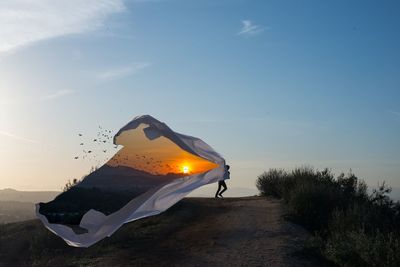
(157, 199)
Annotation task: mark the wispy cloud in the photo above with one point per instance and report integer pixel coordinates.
(249, 28)
(395, 113)
(19, 138)
(25, 21)
(121, 72)
(57, 94)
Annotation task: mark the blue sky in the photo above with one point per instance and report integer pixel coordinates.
(269, 84)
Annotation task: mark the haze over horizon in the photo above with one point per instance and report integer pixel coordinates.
(268, 84)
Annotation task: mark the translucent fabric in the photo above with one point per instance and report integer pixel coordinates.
(155, 168)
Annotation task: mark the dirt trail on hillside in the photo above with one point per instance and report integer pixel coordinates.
(230, 232)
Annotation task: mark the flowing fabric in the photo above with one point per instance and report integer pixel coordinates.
(155, 169)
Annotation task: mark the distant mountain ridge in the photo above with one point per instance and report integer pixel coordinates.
(124, 178)
(395, 194)
(9, 194)
(107, 190)
(20, 205)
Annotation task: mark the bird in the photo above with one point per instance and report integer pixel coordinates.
(76, 158)
(80, 134)
(81, 144)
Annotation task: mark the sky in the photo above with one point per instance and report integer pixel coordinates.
(268, 84)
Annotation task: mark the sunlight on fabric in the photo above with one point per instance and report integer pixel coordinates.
(154, 169)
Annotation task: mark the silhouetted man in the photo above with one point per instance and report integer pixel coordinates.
(222, 183)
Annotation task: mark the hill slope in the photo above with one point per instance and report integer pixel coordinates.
(195, 232)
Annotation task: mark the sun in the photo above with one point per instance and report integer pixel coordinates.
(185, 169)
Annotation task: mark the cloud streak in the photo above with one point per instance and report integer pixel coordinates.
(395, 113)
(121, 72)
(57, 94)
(24, 22)
(249, 28)
(19, 138)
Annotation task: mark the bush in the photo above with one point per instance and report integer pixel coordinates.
(272, 183)
(355, 228)
(358, 248)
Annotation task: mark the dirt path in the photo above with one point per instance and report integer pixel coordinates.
(230, 232)
(250, 232)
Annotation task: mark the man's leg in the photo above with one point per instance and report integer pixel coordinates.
(225, 187)
(219, 188)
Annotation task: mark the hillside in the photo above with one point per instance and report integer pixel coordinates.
(122, 178)
(196, 232)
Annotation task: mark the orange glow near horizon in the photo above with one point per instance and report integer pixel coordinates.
(159, 156)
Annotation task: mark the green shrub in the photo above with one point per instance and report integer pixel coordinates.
(312, 204)
(358, 248)
(353, 228)
(272, 183)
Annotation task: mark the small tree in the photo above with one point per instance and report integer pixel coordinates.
(70, 184)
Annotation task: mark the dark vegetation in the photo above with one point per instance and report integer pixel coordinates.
(351, 226)
(105, 189)
(70, 206)
(70, 184)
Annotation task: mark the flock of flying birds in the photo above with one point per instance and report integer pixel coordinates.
(91, 149)
(99, 149)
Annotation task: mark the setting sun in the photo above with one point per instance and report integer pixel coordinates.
(160, 156)
(185, 169)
